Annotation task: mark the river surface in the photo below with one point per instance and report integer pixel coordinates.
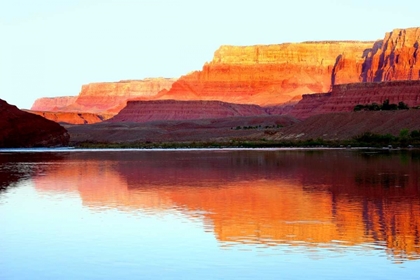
(209, 214)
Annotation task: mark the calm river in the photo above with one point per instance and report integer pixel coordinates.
(209, 214)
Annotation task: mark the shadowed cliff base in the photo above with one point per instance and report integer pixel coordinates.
(343, 98)
(217, 130)
(333, 129)
(344, 126)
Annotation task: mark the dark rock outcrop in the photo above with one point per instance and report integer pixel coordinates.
(21, 129)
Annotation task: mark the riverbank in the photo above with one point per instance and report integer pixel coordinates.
(360, 142)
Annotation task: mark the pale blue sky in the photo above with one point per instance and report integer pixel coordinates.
(51, 47)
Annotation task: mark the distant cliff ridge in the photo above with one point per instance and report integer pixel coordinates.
(112, 97)
(108, 97)
(53, 103)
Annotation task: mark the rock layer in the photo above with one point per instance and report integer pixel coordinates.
(395, 58)
(99, 101)
(112, 97)
(271, 74)
(208, 130)
(22, 129)
(108, 97)
(343, 98)
(342, 126)
(73, 117)
(145, 111)
(53, 103)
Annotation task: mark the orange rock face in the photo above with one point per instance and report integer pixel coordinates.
(343, 98)
(144, 111)
(22, 129)
(72, 117)
(99, 101)
(271, 74)
(112, 97)
(274, 74)
(395, 58)
(53, 103)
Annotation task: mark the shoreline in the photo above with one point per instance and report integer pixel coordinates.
(187, 149)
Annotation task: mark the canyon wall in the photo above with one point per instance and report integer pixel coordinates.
(72, 117)
(343, 98)
(344, 126)
(99, 101)
(395, 58)
(109, 97)
(390, 71)
(22, 129)
(145, 111)
(53, 103)
(271, 74)
(112, 97)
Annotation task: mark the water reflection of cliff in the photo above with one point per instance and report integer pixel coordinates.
(267, 198)
(19, 167)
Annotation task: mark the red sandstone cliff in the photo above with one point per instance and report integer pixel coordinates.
(391, 64)
(22, 129)
(112, 97)
(99, 101)
(395, 58)
(53, 103)
(343, 126)
(277, 73)
(72, 117)
(145, 111)
(343, 98)
(271, 74)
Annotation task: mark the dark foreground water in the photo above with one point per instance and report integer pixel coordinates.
(221, 214)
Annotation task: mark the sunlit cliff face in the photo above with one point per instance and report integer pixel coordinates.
(267, 198)
(271, 74)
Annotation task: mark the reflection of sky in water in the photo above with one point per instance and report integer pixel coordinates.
(132, 221)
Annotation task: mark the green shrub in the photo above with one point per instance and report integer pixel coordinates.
(386, 106)
(415, 134)
(402, 106)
